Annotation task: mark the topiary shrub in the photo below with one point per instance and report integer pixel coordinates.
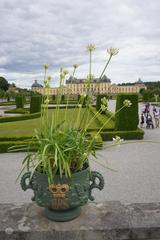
(35, 105)
(98, 100)
(19, 101)
(78, 97)
(53, 97)
(62, 98)
(127, 118)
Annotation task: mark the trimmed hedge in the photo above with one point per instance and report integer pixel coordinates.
(127, 135)
(63, 102)
(35, 105)
(19, 118)
(12, 139)
(7, 103)
(19, 101)
(98, 100)
(78, 97)
(53, 97)
(127, 118)
(18, 110)
(62, 98)
(5, 145)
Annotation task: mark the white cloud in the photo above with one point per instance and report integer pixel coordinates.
(56, 32)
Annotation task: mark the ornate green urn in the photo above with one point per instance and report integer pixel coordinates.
(63, 199)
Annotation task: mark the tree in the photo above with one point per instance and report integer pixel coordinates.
(147, 95)
(2, 94)
(141, 91)
(4, 84)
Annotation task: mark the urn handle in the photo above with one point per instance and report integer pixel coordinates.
(94, 177)
(25, 185)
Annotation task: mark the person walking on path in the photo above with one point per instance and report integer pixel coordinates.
(142, 120)
(156, 119)
(149, 121)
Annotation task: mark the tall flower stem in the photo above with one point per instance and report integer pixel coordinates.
(90, 63)
(105, 67)
(96, 135)
(58, 97)
(93, 118)
(68, 96)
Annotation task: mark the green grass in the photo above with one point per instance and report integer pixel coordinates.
(26, 128)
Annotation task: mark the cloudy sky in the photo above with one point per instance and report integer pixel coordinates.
(34, 32)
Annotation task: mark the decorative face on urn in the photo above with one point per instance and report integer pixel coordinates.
(59, 190)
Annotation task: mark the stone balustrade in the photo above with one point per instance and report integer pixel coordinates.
(98, 221)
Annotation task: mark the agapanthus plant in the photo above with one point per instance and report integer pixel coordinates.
(62, 146)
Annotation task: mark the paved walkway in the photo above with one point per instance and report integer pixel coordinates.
(137, 176)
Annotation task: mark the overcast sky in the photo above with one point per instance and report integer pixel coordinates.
(34, 32)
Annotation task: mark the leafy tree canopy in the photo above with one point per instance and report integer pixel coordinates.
(3, 84)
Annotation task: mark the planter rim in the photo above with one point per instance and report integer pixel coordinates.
(76, 174)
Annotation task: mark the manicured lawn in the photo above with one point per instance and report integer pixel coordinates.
(27, 127)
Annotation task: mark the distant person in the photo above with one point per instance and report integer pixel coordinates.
(156, 119)
(146, 109)
(154, 110)
(142, 120)
(149, 121)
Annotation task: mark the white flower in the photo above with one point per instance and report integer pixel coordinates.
(79, 105)
(127, 103)
(117, 139)
(75, 66)
(49, 78)
(90, 47)
(45, 66)
(46, 101)
(65, 72)
(103, 107)
(46, 83)
(104, 101)
(112, 51)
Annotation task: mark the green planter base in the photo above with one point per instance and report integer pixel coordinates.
(62, 216)
(63, 199)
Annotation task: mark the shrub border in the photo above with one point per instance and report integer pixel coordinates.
(127, 135)
(19, 118)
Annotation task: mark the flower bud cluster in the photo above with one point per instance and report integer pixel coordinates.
(117, 140)
(47, 82)
(104, 104)
(127, 103)
(112, 51)
(90, 48)
(46, 101)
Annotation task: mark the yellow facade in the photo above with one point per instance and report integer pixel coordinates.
(95, 88)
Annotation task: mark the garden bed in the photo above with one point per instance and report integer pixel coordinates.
(17, 132)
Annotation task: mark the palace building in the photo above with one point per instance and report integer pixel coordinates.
(77, 86)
